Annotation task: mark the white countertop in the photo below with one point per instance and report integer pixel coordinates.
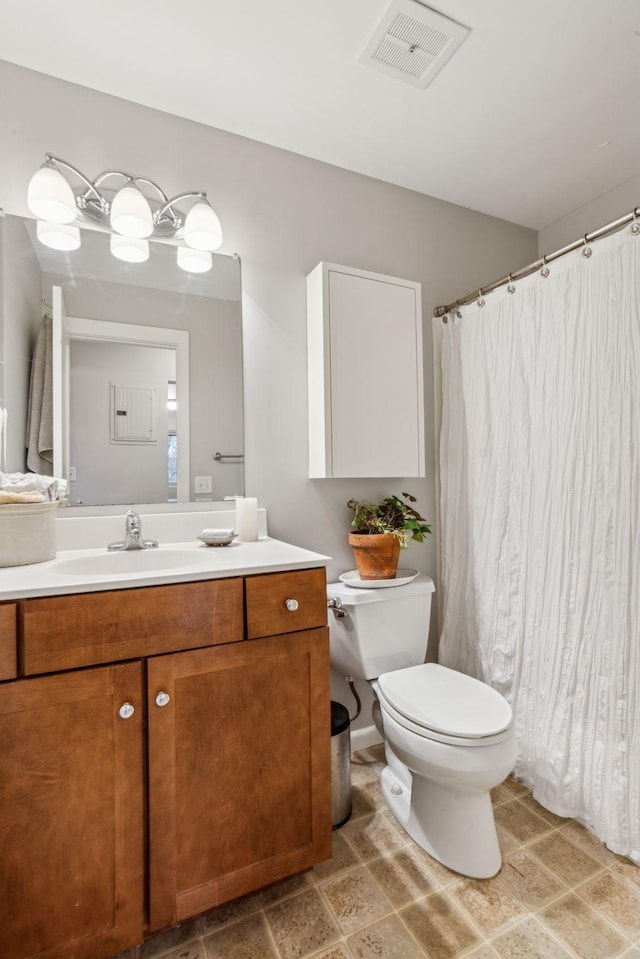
(187, 562)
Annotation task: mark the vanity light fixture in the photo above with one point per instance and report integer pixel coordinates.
(129, 248)
(58, 236)
(194, 261)
(132, 209)
(131, 214)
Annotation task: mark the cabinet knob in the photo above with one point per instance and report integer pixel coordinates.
(126, 711)
(163, 699)
(291, 604)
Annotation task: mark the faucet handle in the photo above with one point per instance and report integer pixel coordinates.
(132, 520)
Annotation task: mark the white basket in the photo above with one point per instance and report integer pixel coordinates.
(27, 533)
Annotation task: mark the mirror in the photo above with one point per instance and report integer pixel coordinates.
(148, 364)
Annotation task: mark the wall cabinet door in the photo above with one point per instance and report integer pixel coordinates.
(71, 814)
(366, 405)
(239, 769)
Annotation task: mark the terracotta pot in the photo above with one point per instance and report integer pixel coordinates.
(376, 554)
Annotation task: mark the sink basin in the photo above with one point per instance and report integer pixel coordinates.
(131, 561)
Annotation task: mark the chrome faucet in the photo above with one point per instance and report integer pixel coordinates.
(133, 535)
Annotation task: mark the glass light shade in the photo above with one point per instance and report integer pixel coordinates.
(50, 197)
(131, 214)
(58, 236)
(202, 230)
(129, 248)
(194, 261)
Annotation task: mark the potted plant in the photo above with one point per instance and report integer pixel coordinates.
(381, 530)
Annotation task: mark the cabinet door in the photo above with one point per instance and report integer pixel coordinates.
(366, 406)
(239, 769)
(71, 808)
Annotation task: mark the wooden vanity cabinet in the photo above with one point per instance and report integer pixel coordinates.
(227, 749)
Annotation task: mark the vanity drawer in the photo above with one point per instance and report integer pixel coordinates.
(83, 629)
(8, 641)
(267, 596)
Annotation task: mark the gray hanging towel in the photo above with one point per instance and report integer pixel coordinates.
(40, 411)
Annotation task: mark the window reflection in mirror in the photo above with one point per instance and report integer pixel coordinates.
(156, 294)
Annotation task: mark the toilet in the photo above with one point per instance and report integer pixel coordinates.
(448, 738)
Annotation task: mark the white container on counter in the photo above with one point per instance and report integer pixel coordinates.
(247, 518)
(27, 533)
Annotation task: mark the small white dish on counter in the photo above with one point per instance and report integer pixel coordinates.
(217, 537)
(403, 576)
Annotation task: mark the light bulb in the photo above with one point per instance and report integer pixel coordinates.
(202, 230)
(58, 236)
(129, 248)
(50, 197)
(194, 261)
(131, 214)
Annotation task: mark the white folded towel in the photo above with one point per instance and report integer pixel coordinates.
(51, 488)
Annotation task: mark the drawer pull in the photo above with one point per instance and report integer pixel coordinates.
(291, 604)
(163, 699)
(126, 711)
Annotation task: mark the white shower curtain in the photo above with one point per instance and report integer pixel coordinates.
(540, 526)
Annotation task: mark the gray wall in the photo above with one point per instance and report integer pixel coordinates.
(603, 209)
(282, 213)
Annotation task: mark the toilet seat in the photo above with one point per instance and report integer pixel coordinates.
(439, 703)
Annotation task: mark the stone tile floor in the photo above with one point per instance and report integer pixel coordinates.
(559, 895)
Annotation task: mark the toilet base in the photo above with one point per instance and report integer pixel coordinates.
(457, 829)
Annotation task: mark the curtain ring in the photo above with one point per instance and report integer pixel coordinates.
(445, 318)
(511, 288)
(544, 272)
(586, 249)
(480, 301)
(635, 226)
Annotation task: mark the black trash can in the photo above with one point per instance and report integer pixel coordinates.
(340, 765)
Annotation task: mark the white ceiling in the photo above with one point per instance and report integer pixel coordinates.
(515, 125)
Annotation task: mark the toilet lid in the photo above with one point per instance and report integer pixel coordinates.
(445, 701)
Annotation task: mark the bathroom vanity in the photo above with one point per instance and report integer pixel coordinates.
(165, 741)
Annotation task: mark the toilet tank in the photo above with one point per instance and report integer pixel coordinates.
(383, 629)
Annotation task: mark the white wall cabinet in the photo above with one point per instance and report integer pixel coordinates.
(366, 407)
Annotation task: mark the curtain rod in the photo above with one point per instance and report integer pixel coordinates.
(548, 258)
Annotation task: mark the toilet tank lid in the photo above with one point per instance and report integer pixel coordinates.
(446, 701)
(354, 596)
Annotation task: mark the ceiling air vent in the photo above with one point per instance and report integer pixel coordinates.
(412, 42)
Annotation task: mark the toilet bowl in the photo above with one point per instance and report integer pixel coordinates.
(448, 738)
(467, 748)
